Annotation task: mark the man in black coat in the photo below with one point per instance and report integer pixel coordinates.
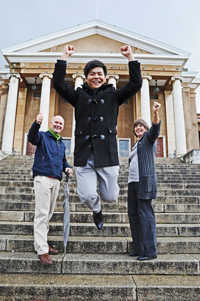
(96, 110)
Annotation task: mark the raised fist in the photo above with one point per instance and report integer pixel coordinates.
(127, 52)
(156, 107)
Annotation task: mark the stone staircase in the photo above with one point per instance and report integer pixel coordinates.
(97, 265)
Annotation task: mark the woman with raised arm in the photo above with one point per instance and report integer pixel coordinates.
(142, 187)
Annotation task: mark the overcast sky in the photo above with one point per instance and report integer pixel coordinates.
(174, 22)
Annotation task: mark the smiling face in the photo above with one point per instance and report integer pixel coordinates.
(57, 124)
(139, 130)
(96, 78)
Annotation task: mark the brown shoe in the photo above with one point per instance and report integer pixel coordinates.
(52, 251)
(45, 259)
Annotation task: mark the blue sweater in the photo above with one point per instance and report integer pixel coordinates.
(50, 157)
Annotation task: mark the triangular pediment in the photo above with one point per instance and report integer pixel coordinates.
(94, 32)
(95, 43)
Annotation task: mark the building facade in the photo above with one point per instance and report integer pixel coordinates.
(26, 87)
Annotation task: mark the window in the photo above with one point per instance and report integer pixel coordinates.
(153, 96)
(67, 142)
(124, 147)
(36, 94)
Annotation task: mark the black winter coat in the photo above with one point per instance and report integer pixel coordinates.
(96, 115)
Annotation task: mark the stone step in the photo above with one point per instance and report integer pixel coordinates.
(123, 230)
(176, 218)
(9, 197)
(123, 191)
(14, 185)
(163, 288)
(171, 200)
(74, 207)
(110, 230)
(176, 177)
(121, 180)
(98, 264)
(106, 207)
(28, 182)
(192, 169)
(100, 245)
(60, 287)
(109, 217)
(178, 192)
(27, 186)
(125, 165)
(95, 287)
(170, 192)
(186, 181)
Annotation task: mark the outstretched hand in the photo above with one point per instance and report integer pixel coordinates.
(68, 50)
(127, 52)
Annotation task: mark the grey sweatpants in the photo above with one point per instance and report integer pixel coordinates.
(87, 178)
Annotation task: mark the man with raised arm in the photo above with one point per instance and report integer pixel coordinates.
(96, 110)
(49, 163)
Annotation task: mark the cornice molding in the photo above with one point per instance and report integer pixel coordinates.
(91, 28)
(107, 58)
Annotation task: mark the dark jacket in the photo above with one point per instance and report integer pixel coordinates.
(146, 150)
(96, 115)
(49, 156)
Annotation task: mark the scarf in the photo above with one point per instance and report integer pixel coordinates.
(56, 136)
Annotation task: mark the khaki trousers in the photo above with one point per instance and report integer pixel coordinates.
(46, 192)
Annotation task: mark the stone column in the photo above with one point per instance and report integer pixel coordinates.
(187, 109)
(20, 117)
(9, 124)
(45, 99)
(113, 79)
(179, 117)
(145, 99)
(195, 132)
(4, 96)
(170, 123)
(78, 79)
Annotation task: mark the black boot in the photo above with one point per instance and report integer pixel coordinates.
(98, 220)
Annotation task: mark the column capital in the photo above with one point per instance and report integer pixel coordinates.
(174, 78)
(148, 77)
(4, 86)
(42, 75)
(167, 92)
(16, 75)
(115, 76)
(75, 75)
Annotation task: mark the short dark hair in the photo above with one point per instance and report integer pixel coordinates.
(93, 64)
(142, 122)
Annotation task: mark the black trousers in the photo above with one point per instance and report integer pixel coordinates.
(142, 222)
